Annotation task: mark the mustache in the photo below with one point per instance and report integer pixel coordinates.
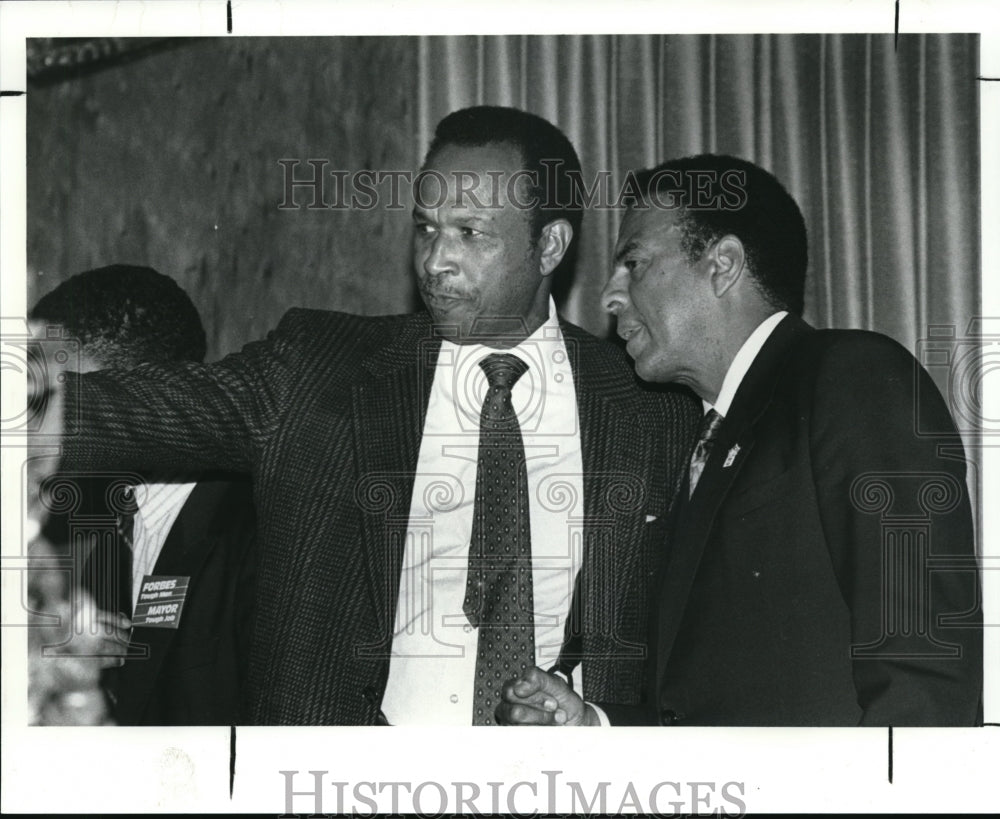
(437, 288)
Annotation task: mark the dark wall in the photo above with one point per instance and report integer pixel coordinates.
(172, 161)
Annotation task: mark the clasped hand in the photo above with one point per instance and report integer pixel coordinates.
(539, 698)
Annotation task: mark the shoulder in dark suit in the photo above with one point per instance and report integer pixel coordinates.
(823, 572)
(195, 674)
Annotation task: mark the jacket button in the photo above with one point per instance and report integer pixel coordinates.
(669, 717)
(370, 695)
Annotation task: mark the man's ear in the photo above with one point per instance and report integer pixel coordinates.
(729, 263)
(554, 242)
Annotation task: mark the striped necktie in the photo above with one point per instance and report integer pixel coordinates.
(706, 440)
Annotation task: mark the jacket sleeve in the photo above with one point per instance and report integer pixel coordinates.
(627, 715)
(184, 416)
(890, 480)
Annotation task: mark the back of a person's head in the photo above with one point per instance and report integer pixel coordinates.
(123, 315)
(715, 195)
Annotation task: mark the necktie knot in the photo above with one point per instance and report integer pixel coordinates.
(503, 370)
(121, 498)
(709, 427)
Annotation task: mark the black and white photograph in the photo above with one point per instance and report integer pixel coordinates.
(438, 367)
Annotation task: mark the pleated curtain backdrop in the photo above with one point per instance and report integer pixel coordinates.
(878, 144)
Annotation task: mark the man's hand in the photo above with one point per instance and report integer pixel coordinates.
(109, 633)
(537, 698)
(65, 688)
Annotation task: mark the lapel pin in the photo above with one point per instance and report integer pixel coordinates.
(731, 456)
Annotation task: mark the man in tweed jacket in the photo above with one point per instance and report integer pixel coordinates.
(328, 414)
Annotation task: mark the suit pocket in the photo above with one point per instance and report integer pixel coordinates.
(653, 515)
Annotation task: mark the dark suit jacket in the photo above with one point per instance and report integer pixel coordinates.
(822, 573)
(327, 415)
(194, 674)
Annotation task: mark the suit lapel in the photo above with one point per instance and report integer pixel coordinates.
(616, 490)
(388, 412)
(692, 520)
(389, 409)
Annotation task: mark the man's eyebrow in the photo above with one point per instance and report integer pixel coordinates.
(462, 216)
(630, 246)
(474, 216)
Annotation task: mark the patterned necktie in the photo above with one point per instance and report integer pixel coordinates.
(125, 524)
(498, 594)
(108, 570)
(706, 440)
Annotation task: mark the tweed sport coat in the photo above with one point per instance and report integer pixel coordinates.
(824, 570)
(327, 414)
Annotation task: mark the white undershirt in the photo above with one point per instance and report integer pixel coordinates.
(433, 661)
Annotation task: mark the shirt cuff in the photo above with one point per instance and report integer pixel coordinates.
(601, 716)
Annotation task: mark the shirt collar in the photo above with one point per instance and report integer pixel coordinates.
(741, 363)
(156, 501)
(531, 350)
(550, 377)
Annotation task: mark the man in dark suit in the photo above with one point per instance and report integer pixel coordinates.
(395, 549)
(822, 568)
(185, 670)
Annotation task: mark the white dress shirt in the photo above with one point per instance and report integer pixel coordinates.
(158, 504)
(433, 663)
(741, 363)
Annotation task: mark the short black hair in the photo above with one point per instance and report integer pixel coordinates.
(715, 195)
(124, 315)
(545, 152)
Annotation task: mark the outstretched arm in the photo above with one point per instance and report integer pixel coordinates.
(184, 416)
